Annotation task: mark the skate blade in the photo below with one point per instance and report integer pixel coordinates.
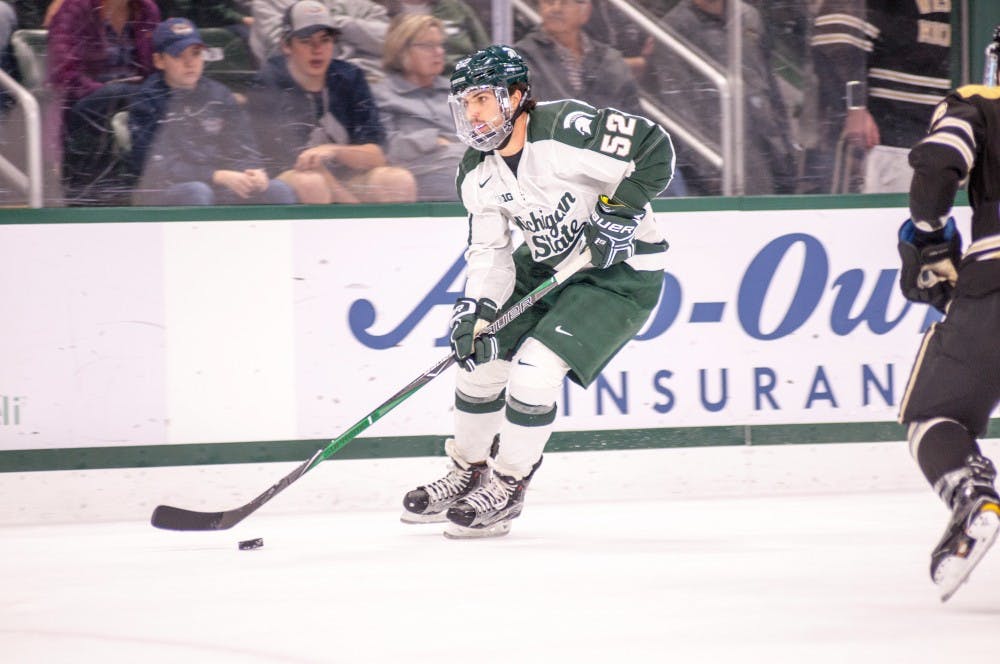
(412, 518)
(953, 571)
(455, 531)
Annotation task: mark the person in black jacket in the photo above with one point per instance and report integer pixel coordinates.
(192, 144)
(318, 122)
(882, 66)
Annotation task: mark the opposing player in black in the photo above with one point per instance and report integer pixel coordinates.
(955, 382)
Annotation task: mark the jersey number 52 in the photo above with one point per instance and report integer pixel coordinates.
(618, 144)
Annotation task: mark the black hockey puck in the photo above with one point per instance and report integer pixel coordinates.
(246, 545)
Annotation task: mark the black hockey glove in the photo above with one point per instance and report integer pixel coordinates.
(611, 232)
(469, 346)
(930, 263)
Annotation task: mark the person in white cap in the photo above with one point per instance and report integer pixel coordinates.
(363, 25)
(317, 121)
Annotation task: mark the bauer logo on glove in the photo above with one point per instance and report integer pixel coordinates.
(611, 232)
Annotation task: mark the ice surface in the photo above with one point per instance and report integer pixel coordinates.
(807, 579)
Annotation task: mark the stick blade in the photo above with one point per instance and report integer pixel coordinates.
(175, 518)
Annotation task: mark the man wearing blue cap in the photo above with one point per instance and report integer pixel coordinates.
(192, 144)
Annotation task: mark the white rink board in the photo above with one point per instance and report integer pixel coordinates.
(729, 473)
(191, 332)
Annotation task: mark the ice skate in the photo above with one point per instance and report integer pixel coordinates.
(429, 503)
(488, 511)
(972, 529)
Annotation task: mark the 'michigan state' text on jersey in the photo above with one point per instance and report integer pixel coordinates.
(573, 154)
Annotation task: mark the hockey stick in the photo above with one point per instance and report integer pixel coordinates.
(176, 518)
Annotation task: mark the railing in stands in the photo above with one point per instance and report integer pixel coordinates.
(731, 159)
(29, 183)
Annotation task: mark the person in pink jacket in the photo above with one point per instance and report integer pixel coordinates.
(98, 53)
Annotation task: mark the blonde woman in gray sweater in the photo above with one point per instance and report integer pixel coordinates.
(413, 106)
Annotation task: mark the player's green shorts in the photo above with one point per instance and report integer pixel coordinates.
(588, 319)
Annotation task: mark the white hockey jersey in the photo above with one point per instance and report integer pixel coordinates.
(573, 154)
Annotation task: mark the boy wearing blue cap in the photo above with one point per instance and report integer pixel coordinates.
(192, 144)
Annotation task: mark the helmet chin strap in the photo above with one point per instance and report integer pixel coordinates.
(517, 112)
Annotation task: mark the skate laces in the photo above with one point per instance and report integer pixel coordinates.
(978, 483)
(982, 469)
(491, 496)
(450, 485)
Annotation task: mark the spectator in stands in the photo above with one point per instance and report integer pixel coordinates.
(362, 25)
(206, 13)
(30, 13)
(317, 121)
(413, 105)
(609, 24)
(899, 55)
(769, 156)
(98, 53)
(192, 143)
(566, 63)
(463, 31)
(211, 14)
(8, 23)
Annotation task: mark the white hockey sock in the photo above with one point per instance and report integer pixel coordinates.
(521, 443)
(479, 406)
(536, 377)
(475, 430)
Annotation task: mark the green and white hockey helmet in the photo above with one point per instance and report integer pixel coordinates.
(480, 96)
(496, 65)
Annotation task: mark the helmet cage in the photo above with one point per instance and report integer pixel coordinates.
(485, 135)
(991, 66)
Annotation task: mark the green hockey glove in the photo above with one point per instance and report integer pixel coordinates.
(468, 319)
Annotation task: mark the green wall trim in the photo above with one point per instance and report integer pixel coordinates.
(14, 216)
(10, 216)
(151, 456)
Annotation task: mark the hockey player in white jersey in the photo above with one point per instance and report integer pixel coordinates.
(570, 178)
